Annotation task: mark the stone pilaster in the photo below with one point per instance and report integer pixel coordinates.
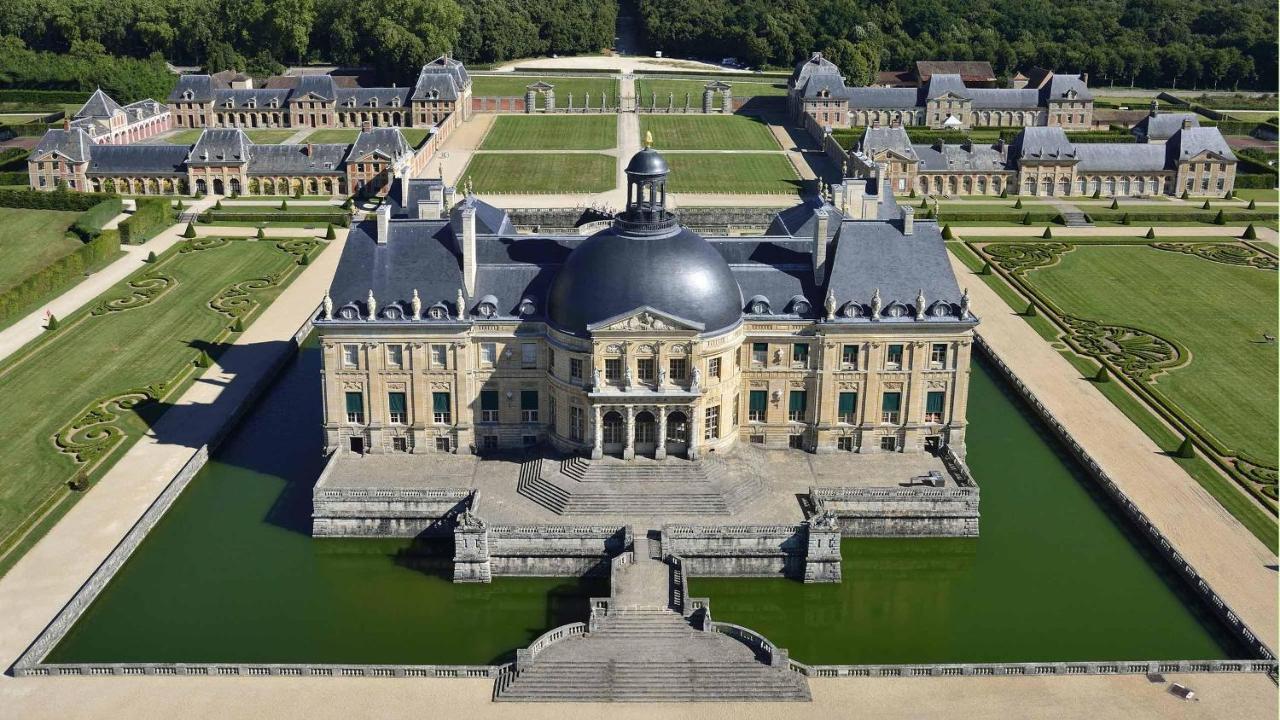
(597, 434)
(629, 450)
(661, 451)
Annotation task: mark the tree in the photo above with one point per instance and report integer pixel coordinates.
(1220, 218)
(51, 322)
(190, 232)
(1017, 204)
(1151, 234)
(1187, 449)
(946, 233)
(291, 22)
(1103, 375)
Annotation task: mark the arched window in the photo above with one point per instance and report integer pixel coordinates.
(614, 428)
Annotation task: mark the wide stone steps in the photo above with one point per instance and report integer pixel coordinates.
(1076, 219)
(676, 681)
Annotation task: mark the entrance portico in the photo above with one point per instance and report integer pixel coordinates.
(650, 428)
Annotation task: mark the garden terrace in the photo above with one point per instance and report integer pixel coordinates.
(514, 86)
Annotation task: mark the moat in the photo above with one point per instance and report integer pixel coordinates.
(232, 574)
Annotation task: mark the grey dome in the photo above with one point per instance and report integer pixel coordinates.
(648, 162)
(613, 272)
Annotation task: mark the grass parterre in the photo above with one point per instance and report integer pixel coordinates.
(552, 132)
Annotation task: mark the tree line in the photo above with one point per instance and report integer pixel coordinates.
(261, 36)
(1153, 43)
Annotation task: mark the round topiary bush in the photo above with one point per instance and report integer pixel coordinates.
(304, 260)
(79, 482)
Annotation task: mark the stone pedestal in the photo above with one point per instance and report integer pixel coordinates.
(471, 550)
(822, 554)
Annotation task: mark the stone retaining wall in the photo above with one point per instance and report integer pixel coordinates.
(385, 512)
(1137, 519)
(1126, 667)
(808, 551)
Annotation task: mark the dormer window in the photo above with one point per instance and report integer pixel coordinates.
(230, 103)
(799, 305)
(395, 102)
(187, 95)
(251, 103)
(527, 307)
(373, 102)
(349, 312)
(487, 307)
(851, 310)
(393, 312)
(351, 102)
(275, 102)
(438, 312)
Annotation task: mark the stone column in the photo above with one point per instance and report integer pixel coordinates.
(597, 447)
(707, 96)
(529, 100)
(693, 427)
(727, 99)
(629, 450)
(661, 451)
(551, 101)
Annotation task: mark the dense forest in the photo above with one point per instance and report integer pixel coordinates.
(76, 44)
(1165, 43)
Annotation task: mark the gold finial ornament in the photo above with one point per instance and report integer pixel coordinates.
(648, 138)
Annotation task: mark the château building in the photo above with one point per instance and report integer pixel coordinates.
(842, 328)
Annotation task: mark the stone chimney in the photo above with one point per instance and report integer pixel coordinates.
(1155, 107)
(854, 191)
(1186, 123)
(908, 219)
(366, 126)
(66, 123)
(820, 217)
(448, 197)
(308, 150)
(404, 190)
(428, 210)
(468, 213)
(384, 223)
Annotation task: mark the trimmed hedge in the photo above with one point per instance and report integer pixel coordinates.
(1027, 218)
(14, 177)
(152, 216)
(335, 217)
(51, 97)
(56, 200)
(90, 223)
(58, 274)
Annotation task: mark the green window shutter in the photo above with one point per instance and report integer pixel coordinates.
(847, 402)
(799, 352)
(759, 400)
(797, 401)
(760, 347)
(440, 402)
(892, 401)
(396, 403)
(528, 399)
(488, 399)
(934, 402)
(355, 402)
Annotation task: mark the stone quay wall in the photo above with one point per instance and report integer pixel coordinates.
(31, 661)
(1139, 521)
(916, 511)
(483, 551)
(809, 551)
(386, 512)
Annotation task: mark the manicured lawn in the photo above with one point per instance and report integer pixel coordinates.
(541, 172)
(514, 86)
(731, 173)
(269, 137)
(707, 132)
(415, 136)
(663, 87)
(56, 380)
(1260, 194)
(1217, 311)
(30, 240)
(184, 137)
(333, 135)
(552, 132)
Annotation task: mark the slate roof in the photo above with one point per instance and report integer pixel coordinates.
(939, 84)
(876, 255)
(366, 97)
(220, 145)
(140, 159)
(969, 70)
(876, 97)
(943, 83)
(73, 144)
(201, 88)
(1105, 157)
(308, 159)
(99, 105)
(1003, 99)
(1189, 142)
(441, 79)
(1042, 143)
(386, 141)
(953, 157)
(241, 99)
(1059, 85)
(894, 138)
(1162, 126)
(322, 86)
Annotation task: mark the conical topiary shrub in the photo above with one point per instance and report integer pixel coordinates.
(1047, 234)
(1017, 204)
(329, 233)
(1124, 219)
(986, 269)
(1115, 204)
(52, 323)
(151, 257)
(1031, 310)
(1026, 218)
(1186, 195)
(304, 260)
(1206, 206)
(203, 360)
(1097, 193)
(1004, 193)
(284, 204)
(1151, 234)
(924, 203)
(190, 232)
(217, 205)
(1220, 219)
(1103, 375)
(262, 234)
(1253, 205)
(947, 234)
(1187, 449)
(1250, 233)
(237, 326)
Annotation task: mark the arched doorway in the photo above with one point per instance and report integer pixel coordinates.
(613, 433)
(217, 186)
(677, 433)
(201, 187)
(646, 433)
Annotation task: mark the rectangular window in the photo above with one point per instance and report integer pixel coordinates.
(644, 369)
(575, 423)
(528, 355)
(760, 354)
(844, 443)
(440, 413)
(889, 443)
(400, 444)
(350, 356)
(891, 407)
(489, 406)
(933, 406)
(893, 358)
(848, 407)
(397, 408)
(551, 360)
(795, 442)
(355, 407)
(938, 356)
(711, 430)
(849, 357)
(679, 368)
(758, 406)
(713, 368)
(443, 445)
(757, 439)
(488, 354)
(395, 356)
(796, 405)
(575, 369)
(440, 357)
(800, 355)
(529, 406)
(613, 369)
(551, 411)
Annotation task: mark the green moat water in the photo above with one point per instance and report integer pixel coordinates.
(230, 574)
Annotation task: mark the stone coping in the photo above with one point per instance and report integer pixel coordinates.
(1120, 667)
(911, 493)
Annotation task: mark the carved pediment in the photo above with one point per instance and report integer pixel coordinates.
(645, 318)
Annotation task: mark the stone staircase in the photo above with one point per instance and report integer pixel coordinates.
(575, 486)
(1075, 218)
(643, 652)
